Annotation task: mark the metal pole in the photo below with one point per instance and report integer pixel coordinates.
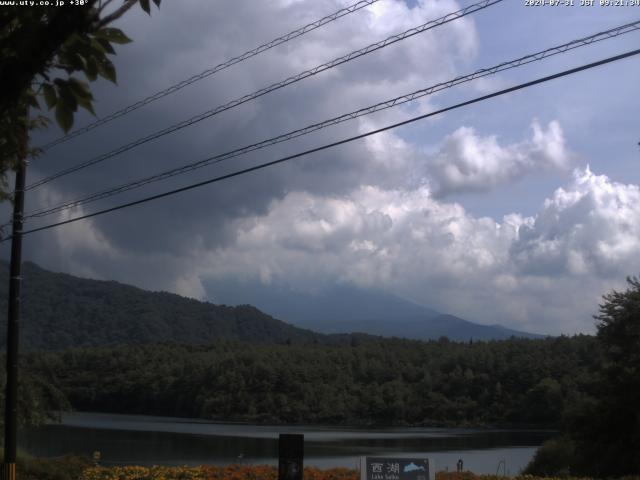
(13, 323)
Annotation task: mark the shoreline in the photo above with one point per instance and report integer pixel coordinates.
(335, 426)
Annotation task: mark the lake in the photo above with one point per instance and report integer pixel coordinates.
(147, 440)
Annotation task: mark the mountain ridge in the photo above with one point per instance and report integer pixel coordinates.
(61, 310)
(350, 309)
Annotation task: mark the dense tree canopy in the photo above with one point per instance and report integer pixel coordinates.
(602, 430)
(39, 400)
(42, 50)
(390, 381)
(609, 440)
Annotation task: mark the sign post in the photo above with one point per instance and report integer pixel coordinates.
(290, 456)
(394, 468)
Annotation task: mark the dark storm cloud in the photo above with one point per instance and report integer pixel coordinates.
(372, 213)
(167, 48)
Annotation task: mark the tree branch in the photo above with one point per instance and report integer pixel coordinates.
(117, 14)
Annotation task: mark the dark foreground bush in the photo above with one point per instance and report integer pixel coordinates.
(62, 468)
(552, 459)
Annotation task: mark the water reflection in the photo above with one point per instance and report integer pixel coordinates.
(125, 439)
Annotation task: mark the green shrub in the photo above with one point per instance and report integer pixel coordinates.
(62, 468)
(552, 459)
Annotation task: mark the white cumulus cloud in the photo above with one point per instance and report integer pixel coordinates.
(544, 273)
(470, 162)
(590, 227)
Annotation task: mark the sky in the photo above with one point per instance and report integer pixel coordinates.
(521, 210)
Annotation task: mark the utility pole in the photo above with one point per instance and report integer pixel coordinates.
(13, 323)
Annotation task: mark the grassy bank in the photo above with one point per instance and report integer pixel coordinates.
(242, 472)
(80, 468)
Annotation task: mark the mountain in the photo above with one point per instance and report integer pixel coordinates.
(60, 310)
(351, 309)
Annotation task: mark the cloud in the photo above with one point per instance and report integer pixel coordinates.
(590, 228)
(465, 161)
(468, 162)
(372, 237)
(372, 213)
(544, 273)
(164, 51)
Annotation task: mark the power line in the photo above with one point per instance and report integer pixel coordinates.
(611, 33)
(340, 142)
(252, 96)
(207, 73)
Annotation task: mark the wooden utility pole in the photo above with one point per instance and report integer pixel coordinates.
(13, 324)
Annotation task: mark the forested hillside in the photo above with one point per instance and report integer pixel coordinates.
(61, 311)
(522, 382)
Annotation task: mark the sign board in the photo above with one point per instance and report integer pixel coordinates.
(291, 456)
(395, 468)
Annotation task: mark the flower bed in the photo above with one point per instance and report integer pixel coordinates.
(229, 472)
(260, 472)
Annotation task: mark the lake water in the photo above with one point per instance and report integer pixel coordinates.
(146, 440)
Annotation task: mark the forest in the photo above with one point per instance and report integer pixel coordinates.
(584, 387)
(384, 382)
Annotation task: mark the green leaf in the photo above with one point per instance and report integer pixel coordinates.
(113, 35)
(74, 41)
(72, 60)
(92, 69)
(145, 6)
(107, 70)
(82, 94)
(97, 47)
(66, 96)
(100, 47)
(38, 123)
(106, 45)
(87, 105)
(80, 89)
(64, 116)
(50, 96)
